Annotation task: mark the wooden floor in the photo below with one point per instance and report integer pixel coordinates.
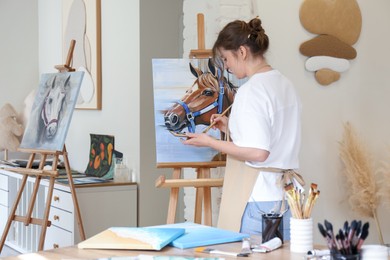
(8, 252)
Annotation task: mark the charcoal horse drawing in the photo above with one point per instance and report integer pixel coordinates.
(52, 111)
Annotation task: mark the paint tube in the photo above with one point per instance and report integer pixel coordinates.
(268, 246)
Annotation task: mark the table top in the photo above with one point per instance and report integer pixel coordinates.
(76, 253)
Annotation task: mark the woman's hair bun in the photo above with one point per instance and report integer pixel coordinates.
(257, 34)
(255, 27)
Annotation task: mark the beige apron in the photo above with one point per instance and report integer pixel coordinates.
(238, 184)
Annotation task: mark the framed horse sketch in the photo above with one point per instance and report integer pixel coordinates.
(186, 93)
(52, 111)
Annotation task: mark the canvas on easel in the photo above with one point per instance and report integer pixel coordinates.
(52, 111)
(186, 93)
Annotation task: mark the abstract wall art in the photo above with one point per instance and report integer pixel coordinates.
(82, 23)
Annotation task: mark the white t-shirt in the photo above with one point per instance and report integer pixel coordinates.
(267, 115)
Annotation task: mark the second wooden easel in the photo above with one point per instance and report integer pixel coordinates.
(203, 182)
(39, 173)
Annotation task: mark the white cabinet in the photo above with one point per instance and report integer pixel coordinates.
(4, 198)
(101, 206)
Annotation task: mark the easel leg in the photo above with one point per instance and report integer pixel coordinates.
(13, 211)
(207, 199)
(74, 197)
(203, 195)
(46, 214)
(32, 200)
(173, 198)
(198, 199)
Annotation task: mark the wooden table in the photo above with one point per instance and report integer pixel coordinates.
(75, 253)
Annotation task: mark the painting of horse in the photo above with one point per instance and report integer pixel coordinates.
(52, 111)
(186, 93)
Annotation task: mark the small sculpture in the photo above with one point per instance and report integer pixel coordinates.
(10, 129)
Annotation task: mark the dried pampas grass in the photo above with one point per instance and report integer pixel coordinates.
(363, 194)
(384, 189)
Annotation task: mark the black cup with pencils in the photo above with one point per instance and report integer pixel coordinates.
(347, 243)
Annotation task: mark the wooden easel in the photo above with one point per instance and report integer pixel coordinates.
(201, 52)
(38, 174)
(203, 182)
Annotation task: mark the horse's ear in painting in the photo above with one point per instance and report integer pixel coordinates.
(53, 84)
(212, 68)
(67, 81)
(195, 71)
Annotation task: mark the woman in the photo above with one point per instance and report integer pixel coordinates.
(264, 125)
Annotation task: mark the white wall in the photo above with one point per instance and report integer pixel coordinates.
(161, 33)
(18, 52)
(360, 96)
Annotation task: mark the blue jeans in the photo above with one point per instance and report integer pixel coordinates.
(251, 220)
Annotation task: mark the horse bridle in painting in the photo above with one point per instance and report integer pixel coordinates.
(44, 117)
(217, 103)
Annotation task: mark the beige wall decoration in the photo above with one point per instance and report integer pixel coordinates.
(81, 22)
(337, 24)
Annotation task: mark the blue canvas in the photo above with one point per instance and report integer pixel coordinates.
(137, 238)
(186, 93)
(200, 235)
(52, 111)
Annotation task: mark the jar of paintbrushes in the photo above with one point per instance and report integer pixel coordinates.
(347, 242)
(301, 223)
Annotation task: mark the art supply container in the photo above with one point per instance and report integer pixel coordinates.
(272, 226)
(122, 173)
(338, 256)
(375, 252)
(301, 235)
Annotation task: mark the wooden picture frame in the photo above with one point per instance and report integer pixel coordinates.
(81, 21)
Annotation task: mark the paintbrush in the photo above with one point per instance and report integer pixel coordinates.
(329, 231)
(213, 123)
(208, 250)
(351, 231)
(326, 235)
(362, 236)
(292, 200)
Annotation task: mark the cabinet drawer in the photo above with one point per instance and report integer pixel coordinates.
(62, 200)
(4, 198)
(61, 218)
(3, 182)
(57, 237)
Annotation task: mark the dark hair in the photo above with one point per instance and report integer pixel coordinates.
(239, 33)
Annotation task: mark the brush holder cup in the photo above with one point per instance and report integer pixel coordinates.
(374, 252)
(272, 226)
(301, 235)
